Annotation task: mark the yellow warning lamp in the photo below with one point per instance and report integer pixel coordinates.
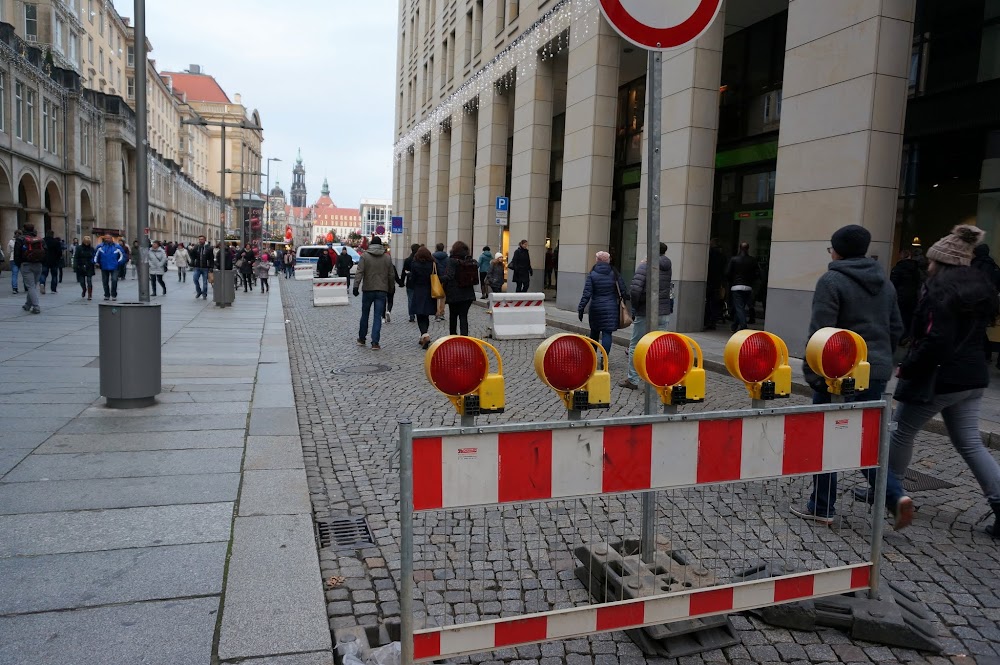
(568, 364)
(760, 360)
(672, 364)
(460, 368)
(840, 357)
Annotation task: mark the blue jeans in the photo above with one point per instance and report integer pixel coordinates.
(46, 271)
(409, 302)
(201, 278)
(15, 270)
(369, 298)
(960, 412)
(742, 301)
(638, 331)
(110, 289)
(604, 337)
(823, 501)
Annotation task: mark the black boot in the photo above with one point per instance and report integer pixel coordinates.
(995, 529)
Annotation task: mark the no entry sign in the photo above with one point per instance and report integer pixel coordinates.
(660, 25)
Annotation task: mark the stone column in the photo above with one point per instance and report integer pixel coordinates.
(529, 205)
(688, 140)
(421, 185)
(461, 190)
(491, 167)
(838, 162)
(8, 224)
(406, 198)
(114, 184)
(589, 155)
(437, 200)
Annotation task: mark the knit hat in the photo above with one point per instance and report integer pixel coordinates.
(498, 255)
(376, 241)
(851, 241)
(956, 248)
(603, 257)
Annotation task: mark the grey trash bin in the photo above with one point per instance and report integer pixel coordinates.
(224, 290)
(130, 340)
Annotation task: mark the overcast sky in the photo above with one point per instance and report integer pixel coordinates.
(321, 73)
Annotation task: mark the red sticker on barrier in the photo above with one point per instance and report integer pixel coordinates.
(428, 484)
(621, 616)
(871, 431)
(720, 450)
(427, 645)
(711, 602)
(525, 467)
(861, 578)
(520, 631)
(803, 450)
(628, 458)
(794, 588)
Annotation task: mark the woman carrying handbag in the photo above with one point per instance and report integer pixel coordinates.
(945, 370)
(604, 291)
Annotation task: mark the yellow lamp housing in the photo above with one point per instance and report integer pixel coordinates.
(673, 364)
(568, 365)
(459, 368)
(841, 357)
(760, 360)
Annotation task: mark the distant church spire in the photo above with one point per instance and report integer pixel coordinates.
(298, 190)
(326, 188)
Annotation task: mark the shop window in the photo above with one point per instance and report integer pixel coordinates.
(758, 188)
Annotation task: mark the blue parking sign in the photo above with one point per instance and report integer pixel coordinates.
(503, 204)
(397, 225)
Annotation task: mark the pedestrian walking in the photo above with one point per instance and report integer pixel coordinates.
(262, 268)
(855, 295)
(637, 294)
(324, 263)
(244, 264)
(485, 259)
(181, 261)
(157, 266)
(50, 266)
(110, 258)
(289, 264)
(134, 257)
(375, 277)
(905, 278)
(550, 266)
(202, 263)
(459, 281)
(344, 265)
(29, 254)
(742, 274)
(441, 257)
(123, 268)
(404, 279)
(498, 273)
(15, 270)
(83, 266)
(418, 279)
(603, 291)
(945, 368)
(520, 264)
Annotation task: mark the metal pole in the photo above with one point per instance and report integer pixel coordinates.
(406, 540)
(141, 151)
(878, 509)
(573, 414)
(654, 88)
(243, 228)
(468, 421)
(267, 202)
(222, 221)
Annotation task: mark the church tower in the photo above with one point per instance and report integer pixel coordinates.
(299, 183)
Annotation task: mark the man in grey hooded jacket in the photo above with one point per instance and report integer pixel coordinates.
(377, 279)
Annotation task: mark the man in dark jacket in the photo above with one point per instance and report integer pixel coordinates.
(742, 274)
(905, 278)
(405, 280)
(855, 295)
(441, 259)
(344, 265)
(28, 257)
(520, 263)
(324, 264)
(53, 259)
(201, 263)
(637, 292)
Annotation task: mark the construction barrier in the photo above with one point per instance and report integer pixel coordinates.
(723, 490)
(518, 315)
(305, 271)
(330, 291)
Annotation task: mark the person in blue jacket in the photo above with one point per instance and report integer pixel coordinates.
(604, 289)
(109, 258)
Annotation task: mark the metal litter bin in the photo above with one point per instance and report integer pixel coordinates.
(130, 338)
(224, 290)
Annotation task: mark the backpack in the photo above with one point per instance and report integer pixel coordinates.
(33, 250)
(467, 273)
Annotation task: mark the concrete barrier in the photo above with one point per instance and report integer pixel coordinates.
(518, 315)
(304, 271)
(330, 291)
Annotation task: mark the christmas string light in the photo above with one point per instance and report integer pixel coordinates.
(545, 39)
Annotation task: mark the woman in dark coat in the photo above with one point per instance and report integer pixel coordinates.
(601, 291)
(83, 266)
(458, 296)
(245, 263)
(419, 280)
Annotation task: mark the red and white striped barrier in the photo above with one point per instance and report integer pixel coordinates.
(304, 271)
(497, 468)
(330, 291)
(463, 639)
(518, 315)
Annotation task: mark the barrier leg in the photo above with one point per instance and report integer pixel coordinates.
(878, 510)
(647, 535)
(406, 541)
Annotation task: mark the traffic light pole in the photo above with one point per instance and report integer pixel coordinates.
(654, 88)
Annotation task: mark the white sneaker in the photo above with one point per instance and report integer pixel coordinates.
(388, 318)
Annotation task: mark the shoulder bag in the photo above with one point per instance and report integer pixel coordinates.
(624, 315)
(437, 289)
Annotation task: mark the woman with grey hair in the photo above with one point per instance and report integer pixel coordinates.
(604, 289)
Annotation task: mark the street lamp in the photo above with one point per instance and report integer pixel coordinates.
(220, 299)
(267, 193)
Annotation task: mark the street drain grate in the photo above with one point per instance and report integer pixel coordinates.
(347, 533)
(921, 482)
(363, 369)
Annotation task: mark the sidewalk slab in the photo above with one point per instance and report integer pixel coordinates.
(127, 464)
(92, 443)
(275, 492)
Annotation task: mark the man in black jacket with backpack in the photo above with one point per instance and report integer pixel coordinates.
(29, 254)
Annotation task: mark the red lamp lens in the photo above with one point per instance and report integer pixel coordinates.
(569, 363)
(839, 354)
(667, 360)
(758, 357)
(459, 366)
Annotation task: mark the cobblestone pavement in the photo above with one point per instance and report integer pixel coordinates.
(510, 561)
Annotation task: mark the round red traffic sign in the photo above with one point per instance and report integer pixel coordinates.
(658, 25)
